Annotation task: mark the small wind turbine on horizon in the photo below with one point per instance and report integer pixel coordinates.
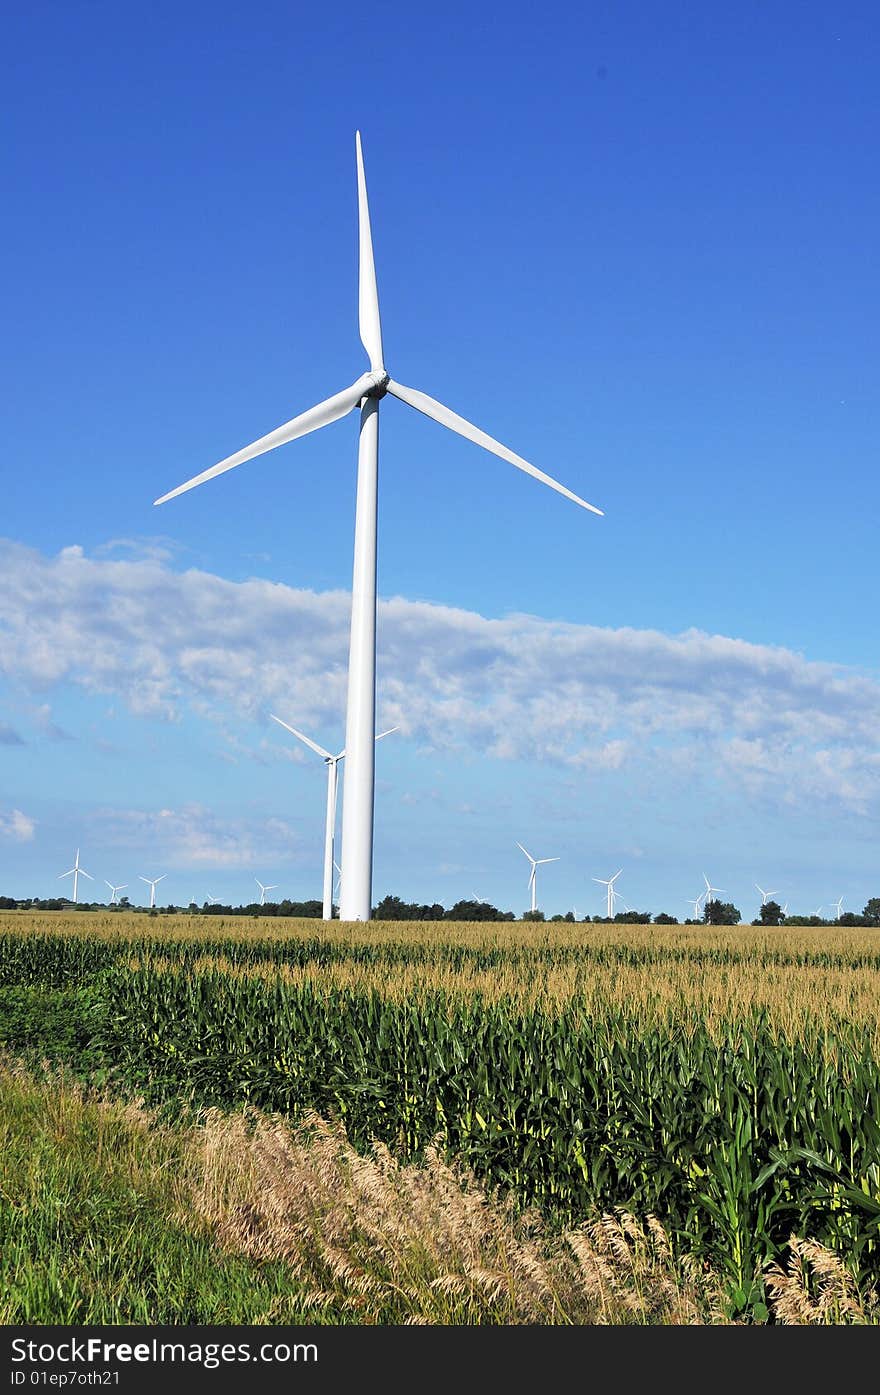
(213, 900)
(696, 902)
(331, 762)
(609, 883)
(366, 393)
(765, 895)
(839, 905)
(710, 889)
(114, 890)
(533, 875)
(264, 889)
(76, 872)
(153, 882)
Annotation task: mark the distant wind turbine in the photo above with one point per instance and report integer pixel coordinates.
(765, 895)
(533, 875)
(153, 882)
(264, 889)
(696, 902)
(331, 762)
(818, 912)
(213, 900)
(366, 393)
(839, 905)
(114, 890)
(710, 889)
(76, 872)
(609, 883)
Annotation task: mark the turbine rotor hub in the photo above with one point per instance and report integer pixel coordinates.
(379, 381)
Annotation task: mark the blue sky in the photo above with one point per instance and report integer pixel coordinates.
(635, 242)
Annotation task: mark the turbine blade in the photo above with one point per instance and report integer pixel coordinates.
(83, 873)
(314, 745)
(368, 294)
(431, 408)
(322, 415)
(162, 878)
(522, 849)
(548, 859)
(66, 874)
(387, 733)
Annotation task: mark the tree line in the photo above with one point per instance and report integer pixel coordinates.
(394, 908)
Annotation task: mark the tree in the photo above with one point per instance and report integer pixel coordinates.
(872, 911)
(533, 915)
(721, 913)
(664, 919)
(770, 914)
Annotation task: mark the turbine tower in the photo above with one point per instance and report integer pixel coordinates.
(765, 895)
(114, 890)
(76, 872)
(366, 393)
(264, 889)
(330, 824)
(533, 875)
(152, 883)
(609, 883)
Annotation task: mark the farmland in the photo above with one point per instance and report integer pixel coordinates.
(721, 1079)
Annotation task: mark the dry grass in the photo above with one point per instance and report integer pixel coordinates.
(815, 1289)
(386, 1242)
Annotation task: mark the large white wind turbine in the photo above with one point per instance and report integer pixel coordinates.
(264, 889)
(533, 875)
(609, 883)
(76, 872)
(114, 890)
(839, 905)
(366, 393)
(330, 824)
(152, 882)
(765, 895)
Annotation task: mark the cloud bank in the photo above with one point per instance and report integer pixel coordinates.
(594, 700)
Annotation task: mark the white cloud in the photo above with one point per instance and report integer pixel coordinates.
(17, 826)
(196, 837)
(762, 719)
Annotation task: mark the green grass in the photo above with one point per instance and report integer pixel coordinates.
(92, 1227)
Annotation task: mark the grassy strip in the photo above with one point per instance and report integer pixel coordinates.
(92, 1230)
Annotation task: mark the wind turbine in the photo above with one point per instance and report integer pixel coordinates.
(765, 895)
(114, 890)
(785, 910)
(611, 892)
(818, 912)
(839, 905)
(366, 393)
(696, 904)
(264, 889)
(710, 889)
(533, 875)
(213, 900)
(330, 824)
(76, 872)
(152, 882)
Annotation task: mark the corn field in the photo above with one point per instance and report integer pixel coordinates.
(724, 1081)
